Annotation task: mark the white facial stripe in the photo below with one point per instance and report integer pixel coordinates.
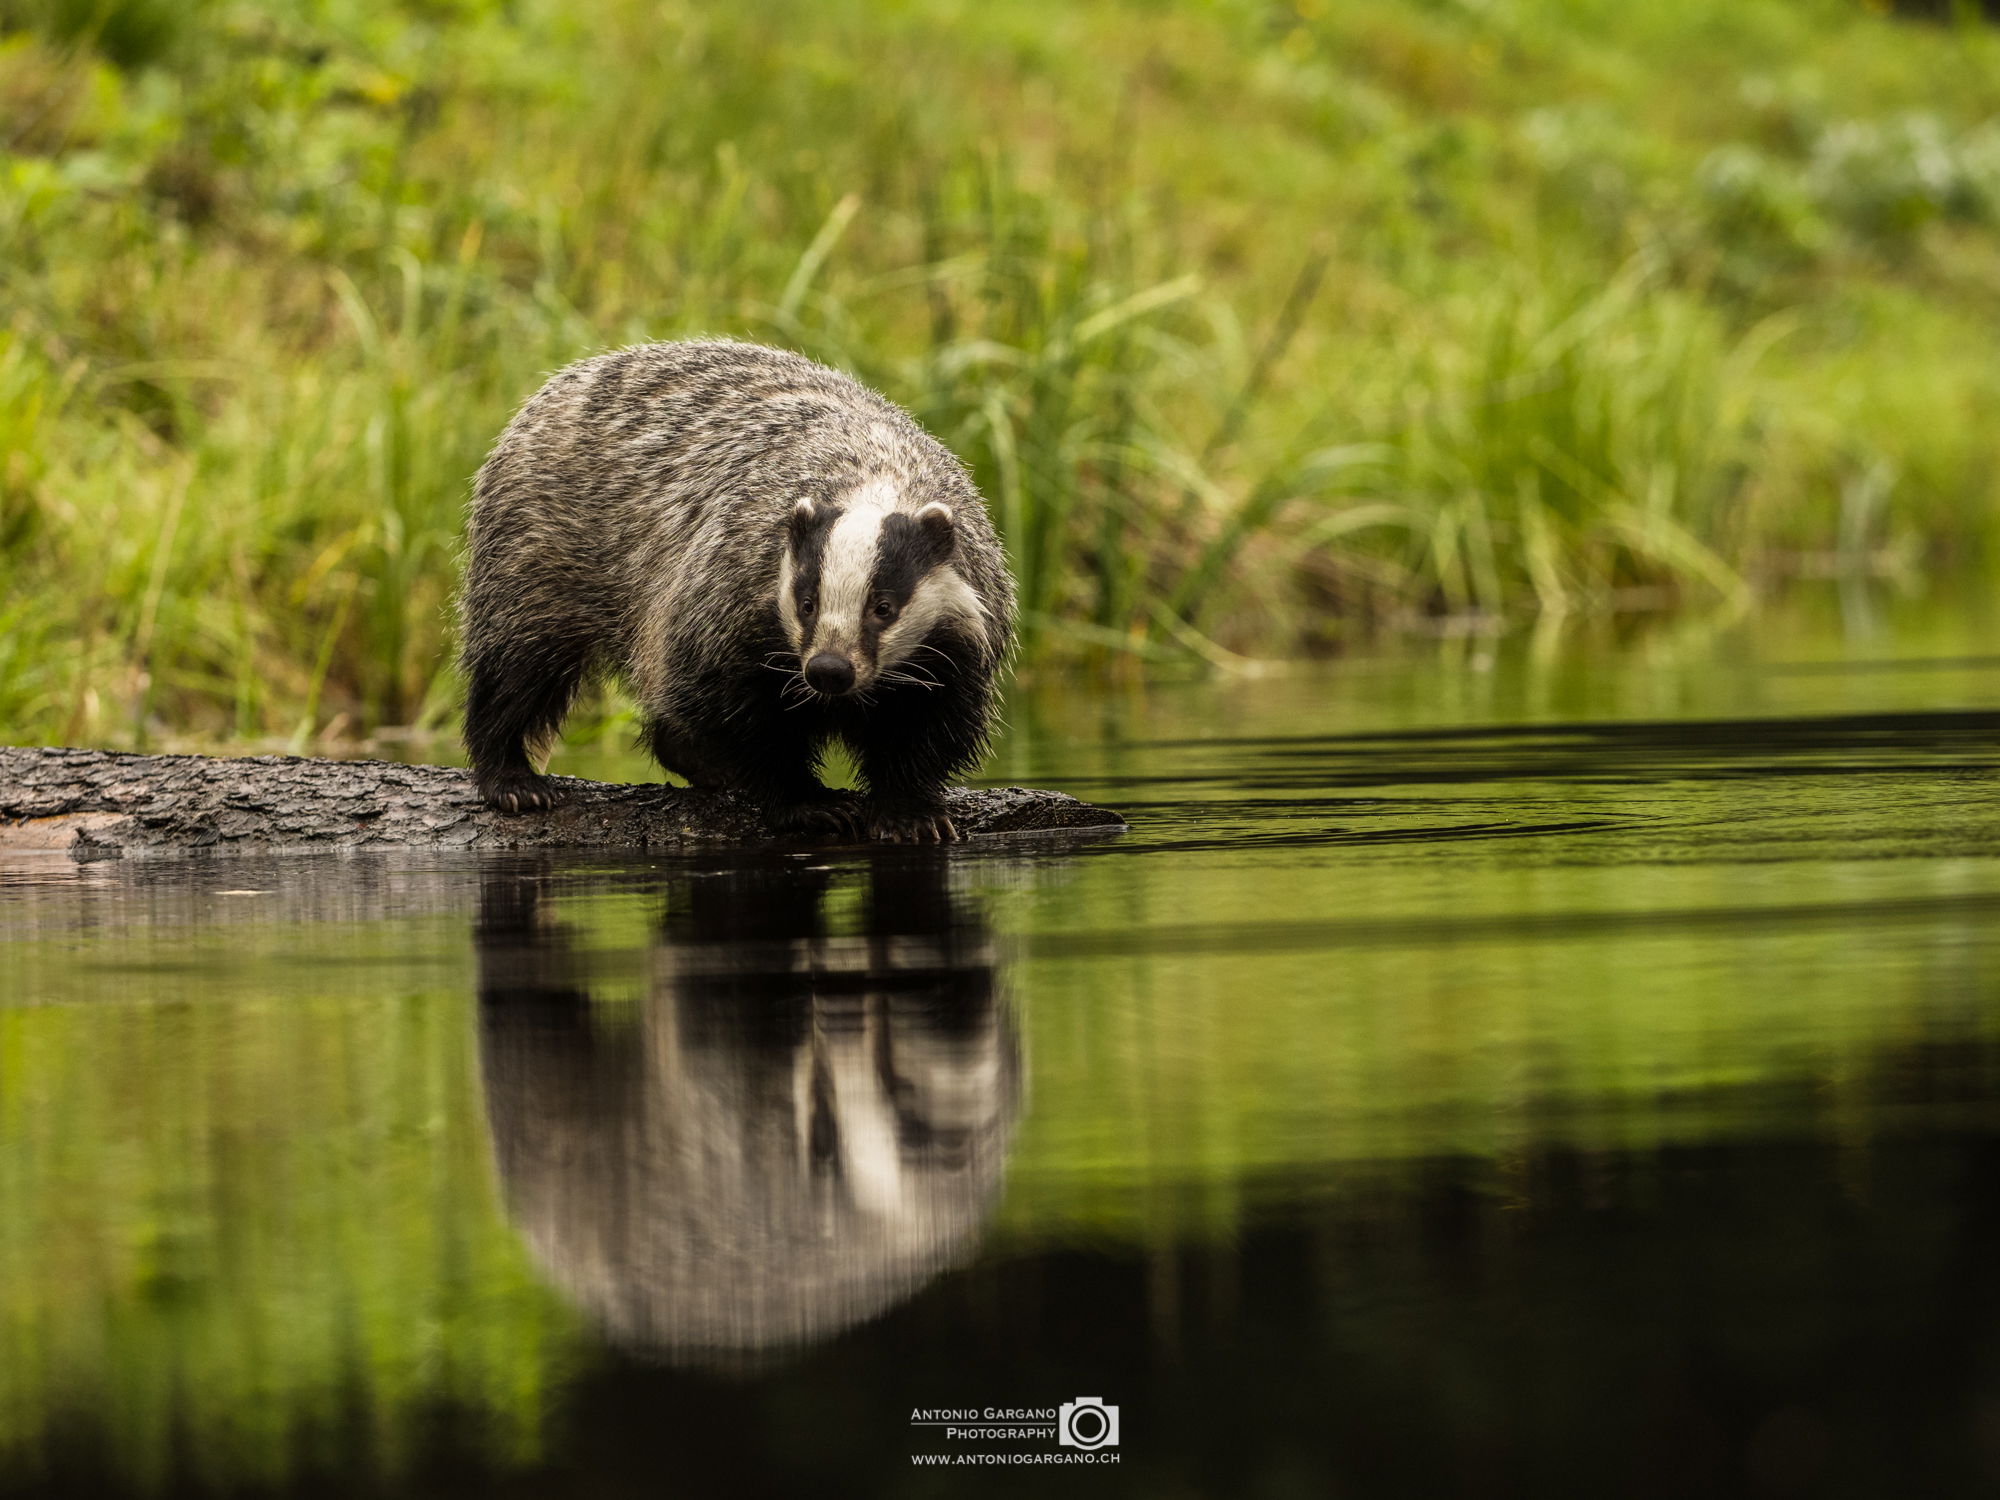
(846, 570)
(942, 595)
(788, 605)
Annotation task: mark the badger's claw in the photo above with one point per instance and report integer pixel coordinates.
(911, 825)
(518, 792)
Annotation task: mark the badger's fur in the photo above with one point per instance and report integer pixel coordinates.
(768, 554)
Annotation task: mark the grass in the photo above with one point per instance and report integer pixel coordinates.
(1263, 326)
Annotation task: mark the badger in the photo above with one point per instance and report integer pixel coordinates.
(769, 555)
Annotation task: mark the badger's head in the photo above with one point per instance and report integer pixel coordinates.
(864, 588)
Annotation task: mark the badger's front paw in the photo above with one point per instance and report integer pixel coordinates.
(911, 823)
(519, 791)
(832, 817)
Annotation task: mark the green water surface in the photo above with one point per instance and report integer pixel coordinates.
(1519, 1067)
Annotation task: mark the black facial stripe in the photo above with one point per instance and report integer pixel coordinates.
(808, 542)
(904, 554)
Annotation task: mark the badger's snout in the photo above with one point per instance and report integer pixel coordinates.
(830, 674)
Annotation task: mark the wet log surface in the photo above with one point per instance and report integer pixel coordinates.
(98, 804)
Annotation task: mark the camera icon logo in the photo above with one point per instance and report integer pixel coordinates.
(1087, 1422)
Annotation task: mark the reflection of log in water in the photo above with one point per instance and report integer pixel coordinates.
(796, 1129)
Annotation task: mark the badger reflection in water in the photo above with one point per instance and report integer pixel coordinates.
(796, 1129)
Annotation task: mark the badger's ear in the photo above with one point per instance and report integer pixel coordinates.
(935, 525)
(806, 518)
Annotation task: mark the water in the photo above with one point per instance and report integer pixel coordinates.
(1483, 1070)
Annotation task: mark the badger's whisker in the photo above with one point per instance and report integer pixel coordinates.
(943, 656)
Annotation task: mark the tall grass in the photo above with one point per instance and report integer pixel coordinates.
(1261, 325)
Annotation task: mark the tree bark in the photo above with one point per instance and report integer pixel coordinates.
(100, 804)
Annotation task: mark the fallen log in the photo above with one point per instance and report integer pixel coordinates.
(98, 804)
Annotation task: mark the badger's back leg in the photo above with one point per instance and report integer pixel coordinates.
(684, 755)
(517, 694)
(765, 758)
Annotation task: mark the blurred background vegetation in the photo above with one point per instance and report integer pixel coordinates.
(1264, 325)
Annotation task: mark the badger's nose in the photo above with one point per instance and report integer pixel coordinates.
(827, 673)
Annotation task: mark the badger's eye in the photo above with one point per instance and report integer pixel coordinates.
(808, 606)
(885, 610)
